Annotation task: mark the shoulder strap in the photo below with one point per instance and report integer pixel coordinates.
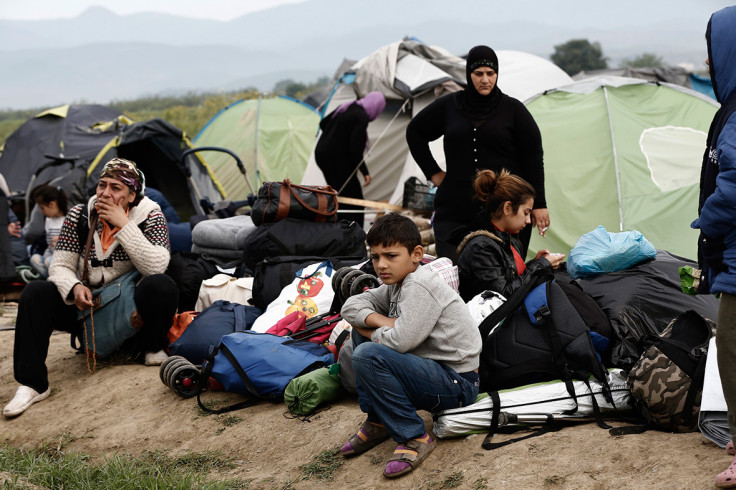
(240, 326)
(83, 224)
(511, 304)
(503, 418)
(207, 370)
(696, 384)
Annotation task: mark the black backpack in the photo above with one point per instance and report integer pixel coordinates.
(542, 339)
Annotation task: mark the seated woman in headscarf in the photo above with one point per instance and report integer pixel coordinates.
(490, 257)
(126, 231)
(339, 150)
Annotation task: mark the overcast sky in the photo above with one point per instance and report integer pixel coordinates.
(209, 9)
(592, 13)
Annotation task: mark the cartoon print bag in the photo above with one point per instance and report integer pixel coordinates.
(310, 293)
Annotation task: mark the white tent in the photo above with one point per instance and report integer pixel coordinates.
(411, 75)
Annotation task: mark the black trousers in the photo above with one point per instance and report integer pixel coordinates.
(41, 310)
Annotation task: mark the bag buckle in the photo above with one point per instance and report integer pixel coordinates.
(542, 313)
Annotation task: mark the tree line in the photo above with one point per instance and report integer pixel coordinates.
(579, 55)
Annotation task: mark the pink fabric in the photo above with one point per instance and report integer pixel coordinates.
(373, 104)
(290, 324)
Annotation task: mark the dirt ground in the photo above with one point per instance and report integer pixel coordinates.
(125, 408)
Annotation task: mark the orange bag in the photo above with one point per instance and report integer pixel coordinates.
(180, 323)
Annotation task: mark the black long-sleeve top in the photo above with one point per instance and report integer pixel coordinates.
(342, 143)
(509, 138)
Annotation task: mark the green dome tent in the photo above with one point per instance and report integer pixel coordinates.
(272, 136)
(623, 153)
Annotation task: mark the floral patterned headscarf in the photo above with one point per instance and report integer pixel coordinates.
(126, 172)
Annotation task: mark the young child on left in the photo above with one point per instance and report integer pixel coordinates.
(53, 203)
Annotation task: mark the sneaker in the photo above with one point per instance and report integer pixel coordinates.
(155, 358)
(24, 398)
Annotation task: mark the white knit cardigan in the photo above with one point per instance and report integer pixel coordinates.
(142, 244)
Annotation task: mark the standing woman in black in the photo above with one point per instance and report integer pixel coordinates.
(483, 129)
(342, 143)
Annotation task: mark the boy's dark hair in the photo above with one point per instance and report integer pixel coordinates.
(394, 228)
(45, 194)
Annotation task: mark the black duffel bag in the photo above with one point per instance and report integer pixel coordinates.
(306, 238)
(280, 200)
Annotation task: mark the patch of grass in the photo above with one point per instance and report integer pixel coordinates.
(323, 466)
(231, 420)
(480, 483)
(50, 466)
(237, 484)
(376, 459)
(453, 480)
(290, 484)
(200, 462)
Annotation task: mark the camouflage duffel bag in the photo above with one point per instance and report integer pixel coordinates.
(667, 380)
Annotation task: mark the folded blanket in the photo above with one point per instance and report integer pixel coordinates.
(221, 253)
(226, 233)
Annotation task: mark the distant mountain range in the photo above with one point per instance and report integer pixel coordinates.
(99, 56)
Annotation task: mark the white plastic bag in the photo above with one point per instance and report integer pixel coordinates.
(310, 292)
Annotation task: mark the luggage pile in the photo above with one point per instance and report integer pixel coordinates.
(557, 352)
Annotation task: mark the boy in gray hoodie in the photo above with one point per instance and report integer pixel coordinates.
(416, 347)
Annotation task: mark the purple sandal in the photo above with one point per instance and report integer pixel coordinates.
(368, 436)
(409, 455)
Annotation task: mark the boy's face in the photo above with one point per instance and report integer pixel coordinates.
(395, 262)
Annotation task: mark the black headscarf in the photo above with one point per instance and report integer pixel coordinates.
(472, 104)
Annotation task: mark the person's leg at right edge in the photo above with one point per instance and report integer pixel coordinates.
(40, 311)
(726, 347)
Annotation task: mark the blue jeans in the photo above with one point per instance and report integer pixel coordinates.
(392, 386)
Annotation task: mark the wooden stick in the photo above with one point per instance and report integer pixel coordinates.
(370, 204)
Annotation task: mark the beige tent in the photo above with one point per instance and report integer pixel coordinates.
(411, 75)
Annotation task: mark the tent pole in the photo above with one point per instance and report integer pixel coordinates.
(615, 163)
(255, 143)
(368, 153)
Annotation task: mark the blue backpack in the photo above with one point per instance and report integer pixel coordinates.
(260, 365)
(220, 318)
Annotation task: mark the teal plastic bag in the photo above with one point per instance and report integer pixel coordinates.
(599, 251)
